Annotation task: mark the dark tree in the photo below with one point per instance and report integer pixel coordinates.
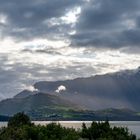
(20, 128)
(18, 120)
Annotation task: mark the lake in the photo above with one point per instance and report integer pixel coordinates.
(133, 126)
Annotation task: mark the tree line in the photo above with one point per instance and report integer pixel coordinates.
(21, 128)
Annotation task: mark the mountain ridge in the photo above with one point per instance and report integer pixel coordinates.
(118, 89)
(58, 99)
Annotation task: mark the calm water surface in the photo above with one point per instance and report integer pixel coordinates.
(134, 126)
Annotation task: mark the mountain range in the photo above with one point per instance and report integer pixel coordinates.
(116, 90)
(113, 95)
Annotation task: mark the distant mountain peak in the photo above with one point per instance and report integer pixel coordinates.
(127, 72)
(25, 93)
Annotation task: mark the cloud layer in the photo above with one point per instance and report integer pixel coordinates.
(101, 24)
(31, 19)
(110, 24)
(65, 39)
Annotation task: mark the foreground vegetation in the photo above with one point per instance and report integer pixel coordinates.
(20, 128)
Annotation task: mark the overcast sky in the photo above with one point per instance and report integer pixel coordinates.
(65, 39)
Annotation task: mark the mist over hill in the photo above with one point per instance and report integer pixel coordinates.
(115, 95)
(116, 90)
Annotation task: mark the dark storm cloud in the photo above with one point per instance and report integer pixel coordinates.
(30, 18)
(100, 14)
(125, 38)
(108, 23)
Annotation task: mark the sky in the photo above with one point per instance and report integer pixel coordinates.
(65, 39)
